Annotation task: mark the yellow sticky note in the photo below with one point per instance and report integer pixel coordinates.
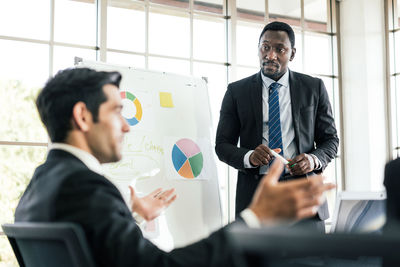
(166, 100)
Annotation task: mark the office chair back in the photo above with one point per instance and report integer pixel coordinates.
(49, 244)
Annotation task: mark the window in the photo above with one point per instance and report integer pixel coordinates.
(75, 22)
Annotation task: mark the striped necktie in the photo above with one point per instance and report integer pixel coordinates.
(274, 120)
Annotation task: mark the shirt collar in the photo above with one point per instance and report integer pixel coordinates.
(88, 159)
(283, 81)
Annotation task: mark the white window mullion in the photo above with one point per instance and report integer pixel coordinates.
(51, 44)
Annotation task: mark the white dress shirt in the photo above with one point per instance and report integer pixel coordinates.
(88, 159)
(285, 109)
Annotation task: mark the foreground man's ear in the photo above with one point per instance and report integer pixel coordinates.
(81, 117)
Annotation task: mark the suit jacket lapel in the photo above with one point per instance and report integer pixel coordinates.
(295, 96)
(256, 102)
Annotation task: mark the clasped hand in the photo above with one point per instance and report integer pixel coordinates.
(262, 156)
(300, 165)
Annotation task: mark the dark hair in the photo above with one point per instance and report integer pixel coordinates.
(68, 87)
(279, 26)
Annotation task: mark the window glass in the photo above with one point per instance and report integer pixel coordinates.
(335, 60)
(297, 63)
(209, 39)
(397, 51)
(16, 173)
(216, 77)
(7, 257)
(211, 6)
(328, 82)
(75, 22)
(317, 53)
(169, 34)
(25, 18)
(20, 120)
(251, 9)
(332, 87)
(394, 107)
(288, 11)
(316, 15)
(397, 114)
(169, 65)
(64, 56)
(23, 70)
(243, 72)
(130, 60)
(24, 61)
(126, 28)
(391, 49)
(247, 36)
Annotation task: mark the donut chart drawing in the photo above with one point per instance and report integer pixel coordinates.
(135, 119)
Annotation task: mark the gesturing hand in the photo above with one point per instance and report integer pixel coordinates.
(261, 155)
(296, 199)
(150, 206)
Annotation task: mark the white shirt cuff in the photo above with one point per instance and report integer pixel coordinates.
(246, 160)
(139, 219)
(317, 162)
(250, 218)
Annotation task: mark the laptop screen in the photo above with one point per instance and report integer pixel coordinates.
(359, 212)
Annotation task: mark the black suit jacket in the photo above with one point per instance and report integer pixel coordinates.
(241, 119)
(392, 185)
(63, 189)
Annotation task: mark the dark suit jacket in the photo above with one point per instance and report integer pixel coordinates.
(241, 119)
(392, 184)
(63, 189)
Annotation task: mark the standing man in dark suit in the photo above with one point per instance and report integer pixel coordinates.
(276, 109)
(81, 109)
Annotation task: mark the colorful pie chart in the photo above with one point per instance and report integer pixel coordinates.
(187, 158)
(138, 107)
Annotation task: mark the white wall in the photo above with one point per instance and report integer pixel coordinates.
(363, 85)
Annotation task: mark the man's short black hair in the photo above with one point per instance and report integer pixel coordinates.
(68, 87)
(279, 26)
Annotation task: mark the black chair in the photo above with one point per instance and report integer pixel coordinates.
(49, 244)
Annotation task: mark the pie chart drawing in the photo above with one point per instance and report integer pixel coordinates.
(138, 107)
(187, 158)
